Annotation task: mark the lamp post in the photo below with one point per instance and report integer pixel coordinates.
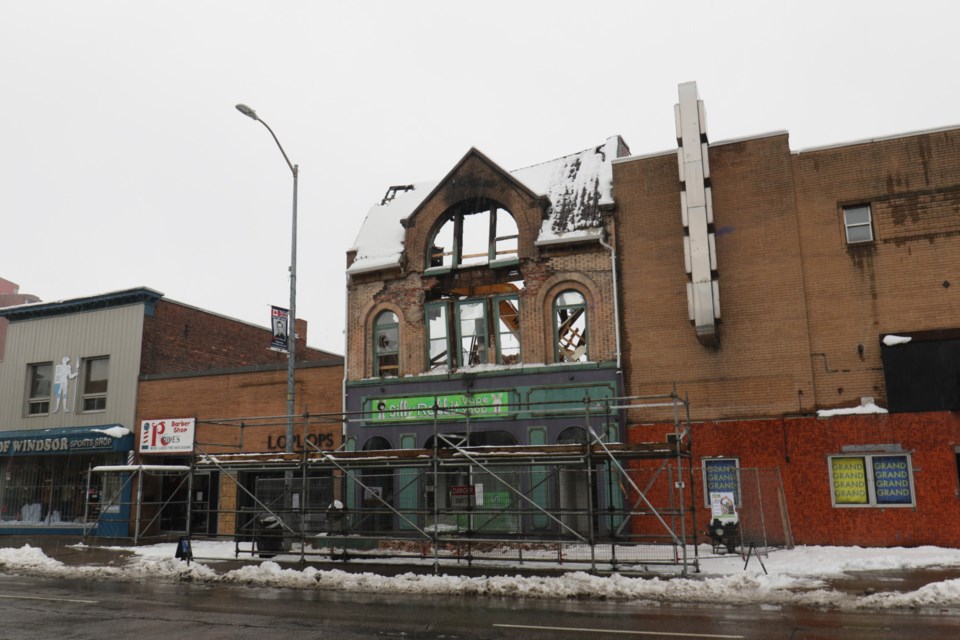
(292, 319)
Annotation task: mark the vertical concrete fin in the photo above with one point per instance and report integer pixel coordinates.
(703, 291)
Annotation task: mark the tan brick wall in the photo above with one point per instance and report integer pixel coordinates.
(246, 395)
(761, 366)
(907, 280)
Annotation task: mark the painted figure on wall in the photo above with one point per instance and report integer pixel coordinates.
(62, 376)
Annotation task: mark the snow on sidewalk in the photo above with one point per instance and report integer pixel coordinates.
(795, 577)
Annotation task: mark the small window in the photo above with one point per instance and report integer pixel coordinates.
(881, 480)
(721, 476)
(386, 343)
(857, 221)
(96, 372)
(570, 327)
(38, 399)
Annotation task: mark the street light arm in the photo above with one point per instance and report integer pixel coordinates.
(250, 113)
(293, 167)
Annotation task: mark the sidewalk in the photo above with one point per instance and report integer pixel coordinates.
(926, 578)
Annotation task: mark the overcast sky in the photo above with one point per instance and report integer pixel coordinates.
(123, 162)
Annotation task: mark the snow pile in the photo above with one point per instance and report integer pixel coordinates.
(861, 409)
(796, 577)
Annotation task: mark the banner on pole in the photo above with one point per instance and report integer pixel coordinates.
(280, 323)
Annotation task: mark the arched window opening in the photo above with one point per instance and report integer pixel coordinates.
(376, 443)
(572, 435)
(473, 234)
(386, 345)
(570, 327)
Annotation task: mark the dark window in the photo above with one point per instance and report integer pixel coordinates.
(41, 377)
(922, 374)
(96, 373)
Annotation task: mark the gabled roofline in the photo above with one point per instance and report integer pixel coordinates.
(473, 152)
(109, 300)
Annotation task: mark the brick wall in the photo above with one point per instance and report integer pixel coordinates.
(907, 280)
(799, 448)
(247, 395)
(761, 366)
(546, 272)
(180, 338)
(801, 311)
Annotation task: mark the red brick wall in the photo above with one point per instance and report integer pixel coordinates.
(800, 447)
(179, 338)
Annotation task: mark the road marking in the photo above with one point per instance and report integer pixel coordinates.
(617, 631)
(74, 600)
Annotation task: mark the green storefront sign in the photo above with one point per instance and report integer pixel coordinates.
(454, 406)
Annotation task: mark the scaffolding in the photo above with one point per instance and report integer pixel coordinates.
(594, 504)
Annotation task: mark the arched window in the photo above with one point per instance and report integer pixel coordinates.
(474, 233)
(376, 443)
(386, 345)
(570, 327)
(572, 435)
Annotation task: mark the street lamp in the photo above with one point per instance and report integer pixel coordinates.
(292, 319)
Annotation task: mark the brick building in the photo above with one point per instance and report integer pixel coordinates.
(787, 294)
(10, 296)
(81, 375)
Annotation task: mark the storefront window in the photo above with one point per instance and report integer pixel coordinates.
(50, 490)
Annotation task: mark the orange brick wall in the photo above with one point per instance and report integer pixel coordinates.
(240, 395)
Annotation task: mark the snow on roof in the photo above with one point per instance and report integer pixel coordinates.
(577, 186)
(379, 244)
(862, 409)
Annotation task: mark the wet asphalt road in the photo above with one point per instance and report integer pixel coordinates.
(35, 608)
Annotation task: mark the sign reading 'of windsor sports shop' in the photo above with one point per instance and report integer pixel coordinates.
(170, 435)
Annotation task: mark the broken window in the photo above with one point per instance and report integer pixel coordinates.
(473, 332)
(472, 234)
(486, 328)
(570, 326)
(386, 345)
(508, 329)
(439, 346)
